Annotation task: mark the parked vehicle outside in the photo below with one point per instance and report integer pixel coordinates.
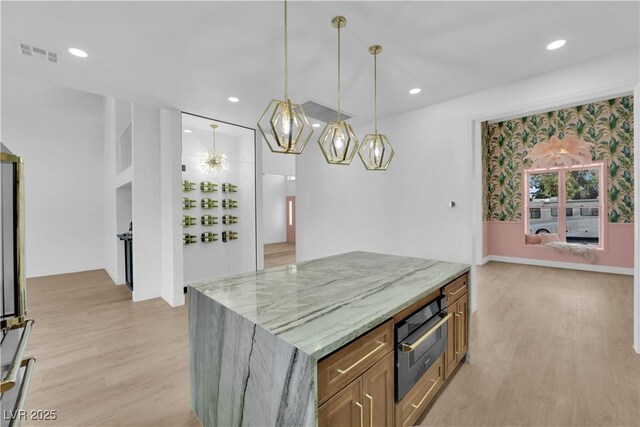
(583, 219)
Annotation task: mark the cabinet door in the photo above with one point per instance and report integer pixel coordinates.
(450, 352)
(377, 391)
(462, 314)
(345, 409)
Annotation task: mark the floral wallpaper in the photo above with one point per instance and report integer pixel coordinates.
(606, 126)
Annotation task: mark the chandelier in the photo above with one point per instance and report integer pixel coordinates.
(337, 141)
(283, 125)
(567, 151)
(375, 151)
(213, 160)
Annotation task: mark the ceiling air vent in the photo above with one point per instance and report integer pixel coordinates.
(26, 49)
(38, 52)
(323, 114)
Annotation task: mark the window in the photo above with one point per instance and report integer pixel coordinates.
(543, 198)
(588, 211)
(574, 193)
(554, 211)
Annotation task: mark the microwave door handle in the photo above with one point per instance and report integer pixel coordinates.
(407, 348)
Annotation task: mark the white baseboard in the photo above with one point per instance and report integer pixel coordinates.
(557, 264)
(174, 300)
(144, 295)
(485, 260)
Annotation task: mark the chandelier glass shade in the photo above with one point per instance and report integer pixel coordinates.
(568, 151)
(283, 125)
(375, 151)
(213, 160)
(337, 141)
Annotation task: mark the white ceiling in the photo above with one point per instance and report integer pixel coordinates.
(193, 55)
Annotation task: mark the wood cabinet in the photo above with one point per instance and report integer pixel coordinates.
(367, 401)
(356, 384)
(377, 388)
(411, 407)
(344, 409)
(457, 326)
(351, 361)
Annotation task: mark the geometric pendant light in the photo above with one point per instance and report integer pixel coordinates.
(213, 160)
(337, 141)
(283, 125)
(375, 151)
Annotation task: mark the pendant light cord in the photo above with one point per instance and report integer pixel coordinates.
(339, 85)
(375, 93)
(286, 49)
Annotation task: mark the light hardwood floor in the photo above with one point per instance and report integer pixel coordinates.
(277, 254)
(550, 348)
(103, 360)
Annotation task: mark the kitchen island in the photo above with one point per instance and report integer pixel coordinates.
(256, 339)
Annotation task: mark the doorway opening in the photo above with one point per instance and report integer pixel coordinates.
(279, 218)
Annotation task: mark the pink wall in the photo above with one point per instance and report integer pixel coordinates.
(507, 239)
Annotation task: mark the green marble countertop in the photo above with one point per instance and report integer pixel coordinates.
(322, 304)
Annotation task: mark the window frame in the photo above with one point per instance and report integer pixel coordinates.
(562, 197)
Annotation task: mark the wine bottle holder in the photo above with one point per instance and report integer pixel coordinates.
(189, 239)
(229, 219)
(229, 204)
(229, 235)
(188, 203)
(208, 187)
(208, 220)
(208, 203)
(188, 221)
(188, 185)
(208, 237)
(229, 188)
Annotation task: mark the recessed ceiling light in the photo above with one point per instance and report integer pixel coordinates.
(415, 91)
(556, 44)
(78, 52)
(316, 125)
(187, 131)
(233, 99)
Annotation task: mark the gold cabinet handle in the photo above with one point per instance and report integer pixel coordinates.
(380, 345)
(370, 409)
(361, 414)
(457, 314)
(406, 348)
(427, 394)
(461, 288)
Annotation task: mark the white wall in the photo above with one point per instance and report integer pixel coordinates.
(291, 188)
(147, 263)
(217, 259)
(59, 132)
(405, 210)
(170, 205)
(276, 163)
(273, 208)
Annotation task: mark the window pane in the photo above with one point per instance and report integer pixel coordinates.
(583, 198)
(543, 199)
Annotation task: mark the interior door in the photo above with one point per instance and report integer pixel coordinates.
(291, 219)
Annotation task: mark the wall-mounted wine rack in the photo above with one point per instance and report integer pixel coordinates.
(208, 187)
(208, 203)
